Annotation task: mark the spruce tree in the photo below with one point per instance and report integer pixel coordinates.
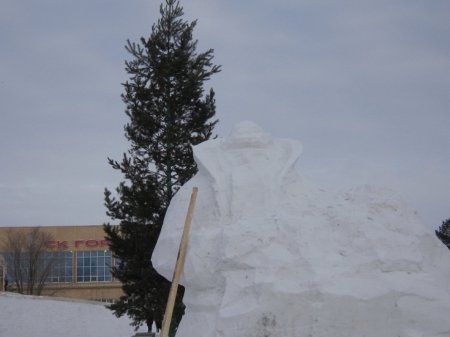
(443, 233)
(168, 112)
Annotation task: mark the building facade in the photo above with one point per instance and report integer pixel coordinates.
(81, 262)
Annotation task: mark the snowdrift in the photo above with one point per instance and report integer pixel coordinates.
(273, 255)
(35, 316)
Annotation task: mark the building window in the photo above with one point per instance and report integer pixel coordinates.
(94, 266)
(50, 267)
(62, 263)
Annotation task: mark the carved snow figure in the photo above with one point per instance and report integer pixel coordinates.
(270, 255)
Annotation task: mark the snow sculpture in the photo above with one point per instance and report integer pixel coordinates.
(270, 255)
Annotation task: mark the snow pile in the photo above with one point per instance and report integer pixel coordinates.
(271, 255)
(34, 316)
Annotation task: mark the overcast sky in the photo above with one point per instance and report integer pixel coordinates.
(364, 85)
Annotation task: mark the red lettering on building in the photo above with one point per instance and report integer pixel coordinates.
(104, 243)
(56, 245)
(62, 245)
(91, 243)
(78, 243)
(50, 244)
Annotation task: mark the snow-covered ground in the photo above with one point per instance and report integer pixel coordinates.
(35, 316)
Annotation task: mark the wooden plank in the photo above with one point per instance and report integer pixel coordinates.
(178, 266)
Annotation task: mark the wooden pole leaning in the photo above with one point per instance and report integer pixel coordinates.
(178, 266)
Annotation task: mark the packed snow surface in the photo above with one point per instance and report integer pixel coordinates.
(33, 316)
(271, 255)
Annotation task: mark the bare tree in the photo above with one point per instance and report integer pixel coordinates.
(28, 262)
(3, 281)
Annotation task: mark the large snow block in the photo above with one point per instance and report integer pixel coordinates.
(273, 255)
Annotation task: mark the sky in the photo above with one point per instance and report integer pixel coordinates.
(364, 85)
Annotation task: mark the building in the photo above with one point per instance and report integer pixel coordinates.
(82, 262)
